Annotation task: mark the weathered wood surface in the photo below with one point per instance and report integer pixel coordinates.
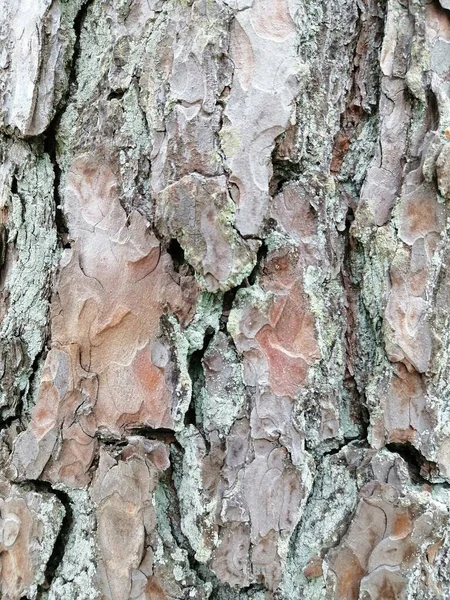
(224, 299)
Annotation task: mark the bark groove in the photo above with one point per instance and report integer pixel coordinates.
(224, 299)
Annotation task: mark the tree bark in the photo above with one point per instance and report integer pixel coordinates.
(225, 299)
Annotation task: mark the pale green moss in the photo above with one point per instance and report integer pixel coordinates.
(94, 59)
(207, 315)
(277, 239)
(359, 156)
(183, 390)
(324, 293)
(331, 502)
(76, 576)
(229, 140)
(219, 409)
(253, 296)
(196, 512)
(51, 513)
(167, 553)
(32, 232)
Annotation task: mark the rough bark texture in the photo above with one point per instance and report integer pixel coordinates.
(224, 299)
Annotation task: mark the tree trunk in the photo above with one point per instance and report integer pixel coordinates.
(225, 299)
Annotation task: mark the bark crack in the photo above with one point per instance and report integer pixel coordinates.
(61, 540)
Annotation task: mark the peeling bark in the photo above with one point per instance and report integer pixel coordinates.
(224, 299)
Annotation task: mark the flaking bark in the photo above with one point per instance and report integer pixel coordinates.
(224, 299)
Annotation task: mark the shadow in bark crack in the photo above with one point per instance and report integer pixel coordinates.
(161, 434)
(195, 370)
(115, 95)
(177, 254)
(50, 150)
(420, 469)
(230, 295)
(61, 541)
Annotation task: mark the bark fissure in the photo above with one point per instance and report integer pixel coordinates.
(238, 371)
(59, 546)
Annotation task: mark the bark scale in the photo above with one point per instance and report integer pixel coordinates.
(225, 295)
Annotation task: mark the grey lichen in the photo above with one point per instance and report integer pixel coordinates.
(27, 198)
(75, 577)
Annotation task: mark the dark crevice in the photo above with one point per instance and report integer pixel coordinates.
(50, 135)
(284, 160)
(230, 295)
(433, 110)
(38, 360)
(14, 184)
(364, 417)
(261, 255)
(50, 149)
(342, 526)
(333, 451)
(420, 469)
(3, 249)
(190, 416)
(171, 494)
(200, 570)
(223, 591)
(195, 370)
(72, 83)
(111, 441)
(7, 422)
(176, 253)
(61, 540)
(115, 95)
(195, 365)
(228, 300)
(357, 400)
(77, 26)
(439, 8)
(222, 99)
(364, 91)
(359, 441)
(4, 234)
(284, 170)
(18, 409)
(13, 359)
(162, 434)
